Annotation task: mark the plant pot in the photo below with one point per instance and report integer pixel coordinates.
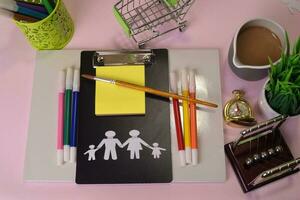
(266, 109)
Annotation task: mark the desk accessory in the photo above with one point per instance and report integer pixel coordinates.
(142, 19)
(17, 16)
(100, 162)
(177, 119)
(148, 90)
(238, 110)
(260, 155)
(60, 117)
(74, 121)
(193, 118)
(41, 165)
(247, 71)
(48, 5)
(52, 32)
(186, 117)
(211, 158)
(67, 113)
(13, 6)
(281, 91)
(33, 6)
(110, 99)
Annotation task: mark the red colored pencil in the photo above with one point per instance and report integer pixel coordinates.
(177, 119)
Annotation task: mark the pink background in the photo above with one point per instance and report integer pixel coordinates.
(212, 25)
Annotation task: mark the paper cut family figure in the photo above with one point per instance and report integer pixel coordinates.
(134, 146)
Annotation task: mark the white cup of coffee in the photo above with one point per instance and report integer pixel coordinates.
(254, 43)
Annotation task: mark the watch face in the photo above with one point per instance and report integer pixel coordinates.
(238, 109)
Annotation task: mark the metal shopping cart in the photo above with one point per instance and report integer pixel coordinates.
(143, 19)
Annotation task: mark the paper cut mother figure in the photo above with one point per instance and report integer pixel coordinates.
(135, 144)
(110, 145)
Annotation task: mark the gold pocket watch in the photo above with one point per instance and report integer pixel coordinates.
(238, 110)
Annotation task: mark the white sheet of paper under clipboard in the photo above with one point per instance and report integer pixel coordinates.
(41, 165)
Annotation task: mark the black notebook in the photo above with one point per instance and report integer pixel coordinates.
(125, 149)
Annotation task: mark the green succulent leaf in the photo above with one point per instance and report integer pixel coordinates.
(287, 40)
(283, 88)
(296, 49)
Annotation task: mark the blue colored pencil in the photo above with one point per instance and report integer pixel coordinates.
(32, 6)
(73, 132)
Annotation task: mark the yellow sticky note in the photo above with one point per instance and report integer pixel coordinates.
(111, 99)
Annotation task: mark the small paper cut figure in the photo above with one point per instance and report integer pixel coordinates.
(135, 144)
(156, 150)
(110, 145)
(91, 152)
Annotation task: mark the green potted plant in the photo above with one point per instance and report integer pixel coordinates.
(281, 92)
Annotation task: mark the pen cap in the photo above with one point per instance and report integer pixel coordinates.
(53, 32)
(61, 81)
(76, 80)
(184, 80)
(173, 82)
(69, 78)
(192, 82)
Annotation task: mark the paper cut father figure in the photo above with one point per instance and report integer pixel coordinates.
(91, 152)
(110, 145)
(135, 144)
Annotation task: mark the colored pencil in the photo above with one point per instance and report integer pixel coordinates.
(47, 5)
(12, 6)
(67, 113)
(193, 118)
(23, 18)
(186, 117)
(75, 96)
(149, 90)
(60, 117)
(33, 6)
(177, 119)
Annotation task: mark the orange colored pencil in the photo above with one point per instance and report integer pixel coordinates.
(193, 118)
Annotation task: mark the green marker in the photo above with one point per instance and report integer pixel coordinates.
(48, 6)
(67, 113)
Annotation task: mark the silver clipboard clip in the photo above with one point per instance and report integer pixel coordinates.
(123, 57)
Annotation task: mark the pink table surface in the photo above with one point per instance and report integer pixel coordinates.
(212, 25)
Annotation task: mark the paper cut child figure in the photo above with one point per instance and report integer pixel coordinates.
(135, 144)
(156, 150)
(110, 145)
(91, 152)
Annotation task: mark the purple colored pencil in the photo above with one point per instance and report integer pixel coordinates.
(32, 6)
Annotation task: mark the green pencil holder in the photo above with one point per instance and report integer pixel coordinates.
(52, 32)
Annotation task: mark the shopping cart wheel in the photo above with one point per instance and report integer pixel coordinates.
(182, 27)
(141, 45)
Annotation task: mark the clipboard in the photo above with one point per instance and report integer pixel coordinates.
(143, 167)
